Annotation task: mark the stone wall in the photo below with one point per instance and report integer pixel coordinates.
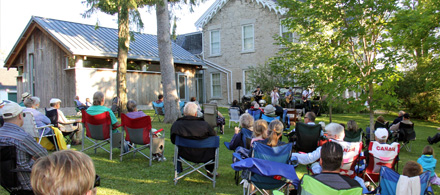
(229, 20)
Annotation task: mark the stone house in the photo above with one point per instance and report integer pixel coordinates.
(237, 35)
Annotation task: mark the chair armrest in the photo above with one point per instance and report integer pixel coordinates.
(158, 131)
(237, 156)
(42, 127)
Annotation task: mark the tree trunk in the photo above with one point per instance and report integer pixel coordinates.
(330, 113)
(166, 63)
(370, 99)
(123, 46)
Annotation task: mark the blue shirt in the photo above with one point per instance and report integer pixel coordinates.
(137, 114)
(28, 150)
(40, 120)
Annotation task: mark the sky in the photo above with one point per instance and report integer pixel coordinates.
(15, 15)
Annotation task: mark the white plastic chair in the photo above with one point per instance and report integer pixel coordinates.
(30, 126)
(234, 115)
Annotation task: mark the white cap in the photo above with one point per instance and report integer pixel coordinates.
(25, 95)
(11, 110)
(381, 133)
(54, 100)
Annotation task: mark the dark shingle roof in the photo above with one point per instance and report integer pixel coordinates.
(191, 42)
(83, 39)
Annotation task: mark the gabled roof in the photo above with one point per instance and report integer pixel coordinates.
(219, 4)
(191, 42)
(84, 39)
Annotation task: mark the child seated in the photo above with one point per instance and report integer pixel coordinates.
(275, 132)
(428, 162)
(260, 131)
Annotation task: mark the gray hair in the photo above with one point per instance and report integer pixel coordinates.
(246, 121)
(98, 98)
(190, 109)
(32, 101)
(401, 113)
(131, 105)
(335, 129)
(311, 116)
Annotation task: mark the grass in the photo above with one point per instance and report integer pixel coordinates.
(134, 176)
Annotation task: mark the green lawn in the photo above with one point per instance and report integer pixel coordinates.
(134, 176)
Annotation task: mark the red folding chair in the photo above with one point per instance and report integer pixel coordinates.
(98, 127)
(380, 155)
(138, 132)
(352, 151)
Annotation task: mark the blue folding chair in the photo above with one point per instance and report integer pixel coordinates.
(389, 178)
(246, 137)
(255, 113)
(210, 142)
(262, 176)
(269, 119)
(181, 105)
(159, 110)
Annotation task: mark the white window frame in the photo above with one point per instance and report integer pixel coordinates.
(212, 88)
(219, 42)
(293, 34)
(244, 83)
(242, 38)
(185, 83)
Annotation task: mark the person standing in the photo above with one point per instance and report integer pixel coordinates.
(274, 96)
(306, 98)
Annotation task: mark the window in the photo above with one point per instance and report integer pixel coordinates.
(287, 34)
(248, 37)
(182, 86)
(248, 87)
(215, 42)
(216, 88)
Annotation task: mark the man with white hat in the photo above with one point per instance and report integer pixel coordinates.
(64, 124)
(380, 149)
(24, 96)
(27, 149)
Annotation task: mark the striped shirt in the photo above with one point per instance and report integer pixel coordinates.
(28, 150)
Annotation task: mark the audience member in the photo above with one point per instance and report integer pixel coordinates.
(269, 113)
(24, 96)
(235, 105)
(192, 127)
(378, 151)
(331, 160)
(32, 104)
(278, 110)
(88, 102)
(246, 123)
(58, 174)
(352, 126)
(27, 149)
(428, 163)
(399, 117)
(220, 118)
(66, 125)
(405, 120)
(159, 99)
(199, 109)
(79, 104)
(98, 108)
(275, 131)
(260, 131)
(132, 110)
(412, 169)
(408, 182)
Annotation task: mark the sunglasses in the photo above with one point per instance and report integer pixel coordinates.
(10, 114)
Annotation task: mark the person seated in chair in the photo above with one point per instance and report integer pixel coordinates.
(399, 117)
(331, 160)
(32, 104)
(50, 175)
(133, 111)
(79, 104)
(246, 123)
(99, 108)
(395, 128)
(192, 127)
(269, 114)
(159, 99)
(382, 149)
(235, 105)
(66, 125)
(411, 183)
(309, 119)
(199, 109)
(27, 149)
(275, 131)
(221, 121)
(88, 102)
(24, 96)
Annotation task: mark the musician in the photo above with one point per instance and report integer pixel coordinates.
(289, 97)
(258, 94)
(275, 96)
(306, 98)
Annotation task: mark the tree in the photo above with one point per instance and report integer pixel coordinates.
(342, 46)
(127, 11)
(166, 63)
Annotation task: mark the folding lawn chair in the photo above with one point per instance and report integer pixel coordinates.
(269, 119)
(307, 137)
(31, 128)
(138, 131)
(351, 157)
(255, 113)
(159, 110)
(210, 116)
(353, 136)
(53, 116)
(234, 115)
(406, 134)
(389, 179)
(380, 155)
(180, 172)
(98, 127)
(275, 163)
(310, 185)
(8, 175)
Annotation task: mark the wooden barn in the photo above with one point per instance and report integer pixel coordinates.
(63, 59)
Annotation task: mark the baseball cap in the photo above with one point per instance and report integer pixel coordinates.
(54, 100)
(11, 110)
(381, 133)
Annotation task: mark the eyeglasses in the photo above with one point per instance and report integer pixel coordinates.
(97, 181)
